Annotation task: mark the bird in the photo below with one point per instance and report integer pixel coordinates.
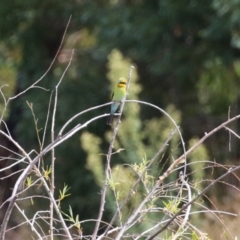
(118, 95)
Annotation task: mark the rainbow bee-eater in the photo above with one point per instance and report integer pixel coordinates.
(118, 95)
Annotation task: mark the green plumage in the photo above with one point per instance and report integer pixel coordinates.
(119, 94)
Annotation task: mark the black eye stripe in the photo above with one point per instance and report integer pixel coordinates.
(122, 83)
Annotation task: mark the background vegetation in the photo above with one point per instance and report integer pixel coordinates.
(187, 61)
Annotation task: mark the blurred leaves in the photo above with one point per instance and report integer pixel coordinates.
(198, 160)
(186, 58)
(91, 144)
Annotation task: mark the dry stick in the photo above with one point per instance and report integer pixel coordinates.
(107, 167)
(13, 164)
(23, 176)
(70, 133)
(38, 215)
(53, 150)
(46, 123)
(59, 140)
(11, 204)
(28, 221)
(161, 110)
(3, 227)
(183, 157)
(33, 85)
(11, 151)
(54, 59)
(207, 135)
(184, 222)
(136, 212)
(77, 115)
(230, 136)
(18, 185)
(5, 125)
(57, 210)
(5, 103)
(117, 125)
(138, 180)
(193, 200)
(10, 175)
(4, 99)
(231, 131)
(143, 234)
(177, 161)
(174, 164)
(213, 212)
(45, 126)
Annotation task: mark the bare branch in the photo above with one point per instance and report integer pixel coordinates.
(140, 177)
(53, 61)
(79, 114)
(53, 150)
(107, 167)
(231, 131)
(28, 221)
(191, 202)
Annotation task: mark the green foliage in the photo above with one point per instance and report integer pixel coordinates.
(75, 221)
(198, 161)
(63, 194)
(216, 82)
(196, 237)
(122, 181)
(171, 207)
(7, 75)
(29, 181)
(91, 144)
(47, 172)
(186, 58)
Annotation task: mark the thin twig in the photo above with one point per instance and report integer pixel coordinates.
(191, 202)
(230, 136)
(52, 185)
(59, 140)
(79, 114)
(186, 215)
(132, 190)
(134, 215)
(46, 123)
(107, 167)
(50, 66)
(11, 174)
(5, 103)
(19, 183)
(24, 174)
(182, 157)
(28, 221)
(136, 212)
(231, 131)
(4, 99)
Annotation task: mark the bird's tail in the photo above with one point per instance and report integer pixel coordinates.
(110, 119)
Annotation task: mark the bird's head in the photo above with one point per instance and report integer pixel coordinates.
(122, 80)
